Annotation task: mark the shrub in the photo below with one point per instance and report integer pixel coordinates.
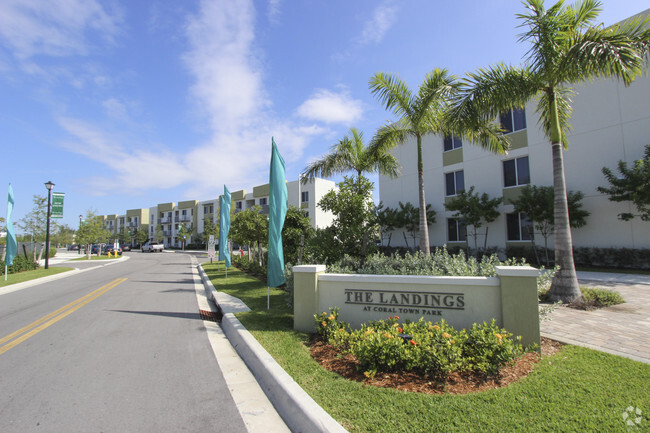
(20, 264)
(599, 298)
(423, 347)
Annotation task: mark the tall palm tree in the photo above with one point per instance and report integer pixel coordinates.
(566, 47)
(427, 113)
(351, 154)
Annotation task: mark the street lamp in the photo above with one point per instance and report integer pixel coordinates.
(80, 217)
(49, 185)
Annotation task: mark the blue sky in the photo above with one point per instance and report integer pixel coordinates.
(127, 104)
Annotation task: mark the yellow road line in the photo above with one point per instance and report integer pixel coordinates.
(54, 317)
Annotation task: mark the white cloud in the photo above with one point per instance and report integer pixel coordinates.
(274, 10)
(115, 109)
(382, 20)
(135, 169)
(54, 27)
(329, 107)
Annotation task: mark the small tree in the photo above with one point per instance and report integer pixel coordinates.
(184, 233)
(64, 235)
(159, 234)
(209, 228)
(538, 202)
(476, 210)
(92, 231)
(123, 236)
(408, 218)
(295, 232)
(387, 220)
(632, 185)
(354, 215)
(250, 227)
(141, 236)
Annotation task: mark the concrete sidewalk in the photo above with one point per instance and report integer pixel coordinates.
(622, 330)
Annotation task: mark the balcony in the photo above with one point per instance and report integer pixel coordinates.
(166, 220)
(185, 218)
(167, 233)
(132, 224)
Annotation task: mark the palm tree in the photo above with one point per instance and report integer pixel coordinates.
(427, 113)
(351, 154)
(566, 47)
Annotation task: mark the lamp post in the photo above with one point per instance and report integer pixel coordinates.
(49, 185)
(80, 217)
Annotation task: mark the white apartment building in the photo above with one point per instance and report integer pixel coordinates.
(610, 123)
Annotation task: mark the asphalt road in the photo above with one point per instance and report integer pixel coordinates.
(116, 349)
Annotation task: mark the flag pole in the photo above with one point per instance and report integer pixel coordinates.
(268, 297)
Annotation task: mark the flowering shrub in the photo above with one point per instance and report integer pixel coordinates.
(429, 348)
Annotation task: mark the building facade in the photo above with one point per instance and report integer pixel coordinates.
(164, 222)
(610, 123)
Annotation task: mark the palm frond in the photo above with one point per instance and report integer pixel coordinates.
(563, 96)
(390, 136)
(392, 92)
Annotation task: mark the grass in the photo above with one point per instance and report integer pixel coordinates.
(95, 257)
(30, 275)
(576, 390)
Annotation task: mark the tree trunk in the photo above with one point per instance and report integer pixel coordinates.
(424, 227)
(565, 283)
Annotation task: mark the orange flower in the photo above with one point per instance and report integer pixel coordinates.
(436, 327)
(499, 336)
(331, 317)
(323, 323)
(446, 335)
(399, 329)
(414, 343)
(396, 317)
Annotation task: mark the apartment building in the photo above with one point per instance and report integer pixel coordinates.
(610, 123)
(163, 222)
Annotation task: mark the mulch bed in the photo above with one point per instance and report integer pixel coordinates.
(456, 383)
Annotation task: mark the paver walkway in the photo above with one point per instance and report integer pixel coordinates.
(622, 330)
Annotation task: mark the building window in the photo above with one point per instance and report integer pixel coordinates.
(516, 172)
(456, 230)
(304, 196)
(452, 142)
(519, 227)
(238, 205)
(263, 201)
(513, 120)
(208, 209)
(454, 182)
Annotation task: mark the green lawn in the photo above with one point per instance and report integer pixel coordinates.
(576, 390)
(30, 275)
(95, 257)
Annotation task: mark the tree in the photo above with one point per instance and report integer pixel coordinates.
(425, 113)
(141, 236)
(159, 234)
(408, 218)
(63, 235)
(209, 228)
(354, 215)
(92, 231)
(476, 210)
(632, 185)
(295, 232)
(351, 154)
(35, 222)
(388, 220)
(566, 47)
(537, 203)
(123, 236)
(184, 233)
(250, 227)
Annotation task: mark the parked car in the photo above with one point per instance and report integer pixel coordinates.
(96, 248)
(73, 247)
(125, 247)
(153, 247)
(111, 249)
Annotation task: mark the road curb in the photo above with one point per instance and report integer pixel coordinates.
(298, 410)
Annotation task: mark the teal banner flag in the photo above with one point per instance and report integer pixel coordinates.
(224, 226)
(12, 245)
(278, 202)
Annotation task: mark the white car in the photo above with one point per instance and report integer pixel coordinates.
(153, 247)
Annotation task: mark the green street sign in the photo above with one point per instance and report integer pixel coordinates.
(57, 204)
